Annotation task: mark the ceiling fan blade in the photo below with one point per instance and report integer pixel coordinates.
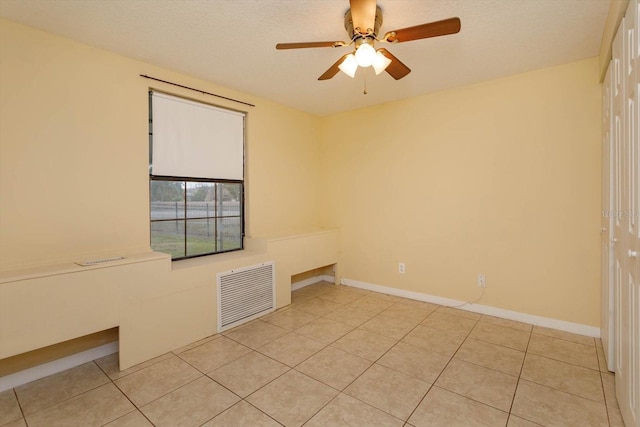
(396, 69)
(333, 70)
(304, 45)
(363, 15)
(432, 29)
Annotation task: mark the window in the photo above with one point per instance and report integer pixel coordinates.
(196, 177)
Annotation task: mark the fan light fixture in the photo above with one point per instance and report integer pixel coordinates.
(380, 62)
(349, 65)
(365, 56)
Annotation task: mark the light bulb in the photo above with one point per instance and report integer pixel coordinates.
(380, 62)
(365, 54)
(349, 65)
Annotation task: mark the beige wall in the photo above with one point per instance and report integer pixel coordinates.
(500, 178)
(74, 152)
(74, 184)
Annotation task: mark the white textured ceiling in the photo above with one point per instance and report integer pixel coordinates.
(232, 42)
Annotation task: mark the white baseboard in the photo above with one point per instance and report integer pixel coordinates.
(55, 366)
(310, 281)
(547, 322)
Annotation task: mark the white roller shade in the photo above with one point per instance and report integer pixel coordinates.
(195, 140)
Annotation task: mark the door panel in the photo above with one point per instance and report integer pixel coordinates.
(607, 323)
(627, 222)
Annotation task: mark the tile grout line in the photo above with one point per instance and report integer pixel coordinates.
(515, 391)
(604, 394)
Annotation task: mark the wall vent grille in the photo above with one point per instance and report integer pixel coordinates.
(244, 294)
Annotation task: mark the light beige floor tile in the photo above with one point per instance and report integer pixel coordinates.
(388, 390)
(292, 398)
(324, 330)
(214, 354)
(341, 296)
(551, 407)
(442, 408)
(20, 422)
(442, 342)
(190, 405)
(55, 388)
(356, 290)
(319, 307)
(407, 311)
(501, 335)
(155, 381)
(110, 365)
(247, 374)
(506, 322)
(554, 333)
(420, 304)
(242, 414)
(289, 319)
(350, 316)
(9, 408)
(308, 292)
(449, 322)
(565, 351)
(520, 422)
(615, 417)
(132, 419)
(256, 334)
(364, 344)
(92, 408)
(417, 362)
(563, 376)
(463, 313)
(291, 349)
(385, 297)
(196, 344)
(334, 367)
(609, 386)
(478, 383)
(389, 326)
(349, 412)
(492, 356)
(370, 303)
(298, 298)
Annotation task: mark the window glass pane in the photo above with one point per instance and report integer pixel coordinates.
(229, 233)
(201, 236)
(231, 199)
(167, 199)
(201, 199)
(168, 237)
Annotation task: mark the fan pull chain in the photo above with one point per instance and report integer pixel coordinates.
(365, 82)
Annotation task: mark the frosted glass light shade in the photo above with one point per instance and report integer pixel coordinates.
(349, 65)
(365, 54)
(380, 62)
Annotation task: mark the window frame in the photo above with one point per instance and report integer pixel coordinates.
(186, 180)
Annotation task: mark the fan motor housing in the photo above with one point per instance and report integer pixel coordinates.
(364, 32)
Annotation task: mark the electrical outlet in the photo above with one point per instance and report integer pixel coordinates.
(401, 268)
(482, 281)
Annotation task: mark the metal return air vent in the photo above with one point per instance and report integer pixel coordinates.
(244, 294)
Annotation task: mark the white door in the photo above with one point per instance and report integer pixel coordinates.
(608, 206)
(619, 260)
(626, 221)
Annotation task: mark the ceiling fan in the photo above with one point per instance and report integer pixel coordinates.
(363, 21)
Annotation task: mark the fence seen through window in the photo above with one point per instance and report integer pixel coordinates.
(195, 217)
